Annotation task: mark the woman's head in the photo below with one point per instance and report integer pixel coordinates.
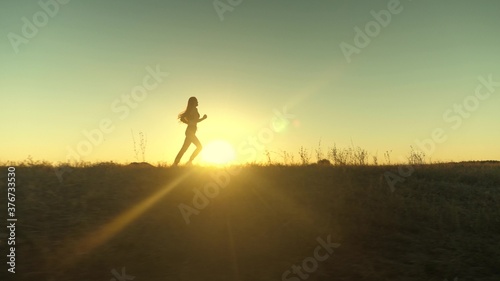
(192, 102)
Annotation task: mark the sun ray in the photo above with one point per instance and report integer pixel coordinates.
(109, 230)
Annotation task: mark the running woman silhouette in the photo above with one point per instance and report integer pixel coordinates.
(191, 117)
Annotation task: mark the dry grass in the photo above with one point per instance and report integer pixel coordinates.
(442, 222)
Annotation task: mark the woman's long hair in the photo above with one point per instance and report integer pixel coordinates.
(190, 106)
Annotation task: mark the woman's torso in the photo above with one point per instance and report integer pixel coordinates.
(192, 118)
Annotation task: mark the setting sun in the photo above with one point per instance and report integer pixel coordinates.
(218, 152)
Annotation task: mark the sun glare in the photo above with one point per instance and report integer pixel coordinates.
(218, 152)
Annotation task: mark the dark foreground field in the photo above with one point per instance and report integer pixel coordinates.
(110, 222)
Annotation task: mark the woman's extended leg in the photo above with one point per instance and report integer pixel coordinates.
(184, 147)
(199, 147)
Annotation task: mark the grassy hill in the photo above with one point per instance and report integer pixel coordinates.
(256, 223)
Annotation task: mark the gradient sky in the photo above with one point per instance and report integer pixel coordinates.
(263, 56)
